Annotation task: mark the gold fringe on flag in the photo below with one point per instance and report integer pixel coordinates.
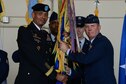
(60, 56)
(66, 18)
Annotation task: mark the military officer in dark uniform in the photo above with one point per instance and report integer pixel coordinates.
(98, 60)
(4, 66)
(35, 67)
(53, 28)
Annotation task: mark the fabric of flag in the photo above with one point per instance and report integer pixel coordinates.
(96, 9)
(60, 56)
(59, 60)
(66, 32)
(72, 24)
(96, 12)
(30, 3)
(2, 9)
(122, 65)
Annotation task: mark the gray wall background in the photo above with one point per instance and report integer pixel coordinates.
(111, 13)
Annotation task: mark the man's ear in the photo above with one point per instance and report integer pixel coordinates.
(99, 27)
(49, 24)
(33, 14)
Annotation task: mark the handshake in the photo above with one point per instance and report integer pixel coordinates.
(63, 78)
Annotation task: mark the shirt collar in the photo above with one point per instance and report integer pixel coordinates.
(53, 37)
(82, 42)
(37, 26)
(92, 40)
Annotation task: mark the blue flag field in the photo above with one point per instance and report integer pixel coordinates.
(122, 66)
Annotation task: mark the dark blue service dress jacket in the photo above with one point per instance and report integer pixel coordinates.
(98, 62)
(77, 68)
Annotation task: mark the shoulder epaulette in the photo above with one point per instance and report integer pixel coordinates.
(25, 26)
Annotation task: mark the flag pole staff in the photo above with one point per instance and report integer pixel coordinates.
(96, 3)
(125, 6)
(52, 5)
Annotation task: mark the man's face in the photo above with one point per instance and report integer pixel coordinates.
(92, 30)
(40, 17)
(53, 25)
(80, 32)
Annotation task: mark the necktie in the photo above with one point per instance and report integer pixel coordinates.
(55, 39)
(90, 45)
(80, 43)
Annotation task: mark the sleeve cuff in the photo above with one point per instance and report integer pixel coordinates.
(49, 71)
(68, 51)
(69, 74)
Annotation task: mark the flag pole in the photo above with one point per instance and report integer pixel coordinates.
(125, 6)
(52, 5)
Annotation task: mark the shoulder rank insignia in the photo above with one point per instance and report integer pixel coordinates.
(90, 46)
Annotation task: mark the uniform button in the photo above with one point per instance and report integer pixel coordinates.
(28, 73)
(84, 73)
(46, 52)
